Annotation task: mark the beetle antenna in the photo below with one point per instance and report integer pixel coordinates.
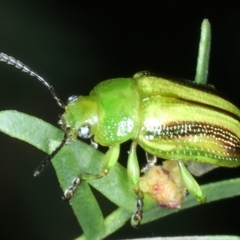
(12, 61)
(44, 162)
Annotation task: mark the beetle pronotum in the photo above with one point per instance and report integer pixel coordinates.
(172, 120)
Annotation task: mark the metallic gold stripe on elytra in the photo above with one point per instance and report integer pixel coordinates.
(176, 130)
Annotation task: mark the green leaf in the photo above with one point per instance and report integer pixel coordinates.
(79, 157)
(203, 53)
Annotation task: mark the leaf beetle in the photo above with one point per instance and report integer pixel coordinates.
(170, 119)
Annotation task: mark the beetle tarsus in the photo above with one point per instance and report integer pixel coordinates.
(72, 189)
(137, 216)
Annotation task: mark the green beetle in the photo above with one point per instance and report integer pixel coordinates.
(172, 120)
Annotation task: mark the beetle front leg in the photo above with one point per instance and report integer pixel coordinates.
(134, 176)
(110, 158)
(191, 184)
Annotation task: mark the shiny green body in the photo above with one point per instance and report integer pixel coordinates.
(169, 119)
(172, 120)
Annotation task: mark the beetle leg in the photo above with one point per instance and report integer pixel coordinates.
(94, 144)
(72, 189)
(137, 216)
(191, 184)
(151, 162)
(134, 176)
(133, 166)
(109, 160)
(151, 159)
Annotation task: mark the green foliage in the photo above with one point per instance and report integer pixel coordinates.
(79, 157)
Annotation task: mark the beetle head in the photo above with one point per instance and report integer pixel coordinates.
(80, 117)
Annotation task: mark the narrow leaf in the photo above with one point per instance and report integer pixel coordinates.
(77, 158)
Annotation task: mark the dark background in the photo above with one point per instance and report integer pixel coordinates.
(75, 45)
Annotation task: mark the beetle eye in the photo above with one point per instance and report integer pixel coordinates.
(84, 132)
(72, 98)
